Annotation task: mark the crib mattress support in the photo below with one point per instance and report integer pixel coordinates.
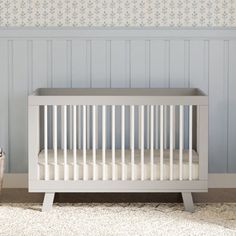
(117, 186)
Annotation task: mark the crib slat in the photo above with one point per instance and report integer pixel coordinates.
(181, 137)
(123, 141)
(71, 127)
(79, 127)
(139, 127)
(190, 140)
(84, 142)
(132, 140)
(46, 174)
(55, 142)
(148, 127)
(97, 125)
(113, 142)
(88, 127)
(142, 141)
(171, 141)
(161, 140)
(151, 141)
(157, 127)
(94, 142)
(165, 127)
(103, 142)
(74, 142)
(65, 141)
(174, 127)
(62, 127)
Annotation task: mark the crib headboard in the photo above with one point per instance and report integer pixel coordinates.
(118, 58)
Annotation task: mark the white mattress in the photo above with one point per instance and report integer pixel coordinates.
(88, 175)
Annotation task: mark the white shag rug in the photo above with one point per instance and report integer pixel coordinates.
(117, 219)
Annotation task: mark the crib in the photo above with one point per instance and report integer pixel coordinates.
(118, 140)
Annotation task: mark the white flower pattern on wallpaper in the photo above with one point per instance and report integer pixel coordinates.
(107, 13)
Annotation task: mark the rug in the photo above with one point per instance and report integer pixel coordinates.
(117, 219)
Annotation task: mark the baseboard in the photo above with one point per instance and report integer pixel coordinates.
(15, 181)
(223, 180)
(21, 195)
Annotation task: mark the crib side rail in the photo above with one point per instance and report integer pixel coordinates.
(80, 108)
(117, 100)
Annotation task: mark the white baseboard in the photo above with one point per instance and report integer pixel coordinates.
(223, 180)
(15, 181)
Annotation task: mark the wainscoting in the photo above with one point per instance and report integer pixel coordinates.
(94, 57)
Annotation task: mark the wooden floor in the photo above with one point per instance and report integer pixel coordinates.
(22, 196)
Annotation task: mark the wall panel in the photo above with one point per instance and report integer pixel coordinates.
(4, 120)
(18, 106)
(80, 61)
(60, 76)
(120, 64)
(138, 62)
(232, 108)
(218, 83)
(177, 64)
(198, 64)
(41, 64)
(159, 63)
(100, 61)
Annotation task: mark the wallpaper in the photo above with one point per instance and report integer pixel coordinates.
(108, 13)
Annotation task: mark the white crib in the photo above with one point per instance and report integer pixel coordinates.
(118, 140)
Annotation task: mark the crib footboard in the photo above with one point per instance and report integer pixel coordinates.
(118, 140)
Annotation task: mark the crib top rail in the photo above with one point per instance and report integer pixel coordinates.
(118, 96)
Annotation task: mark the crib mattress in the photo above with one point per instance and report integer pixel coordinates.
(87, 172)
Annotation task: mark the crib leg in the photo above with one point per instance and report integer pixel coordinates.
(188, 201)
(48, 201)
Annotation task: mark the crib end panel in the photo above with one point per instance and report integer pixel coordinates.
(33, 141)
(202, 138)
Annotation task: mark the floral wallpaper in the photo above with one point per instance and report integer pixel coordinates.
(108, 13)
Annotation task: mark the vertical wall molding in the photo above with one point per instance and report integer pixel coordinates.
(226, 76)
(30, 65)
(186, 63)
(147, 63)
(167, 62)
(96, 57)
(49, 64)
(108, 63)
(88, 63)
(69, 61)
(10, 79)
(128, 62)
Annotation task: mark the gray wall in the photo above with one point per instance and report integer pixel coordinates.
(203, 58)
